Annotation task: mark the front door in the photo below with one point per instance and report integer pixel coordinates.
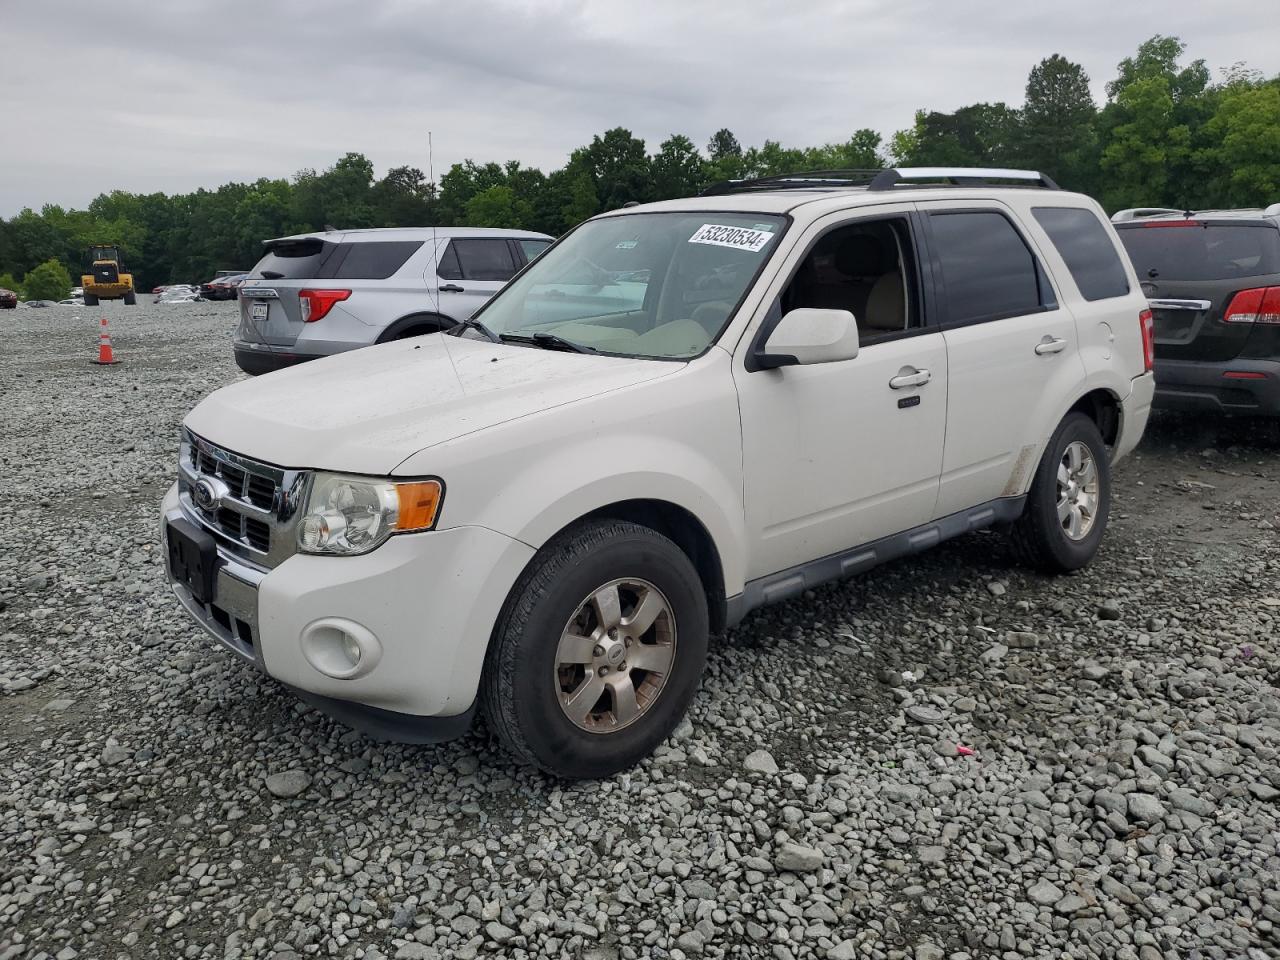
(470, 271)
(840, 454)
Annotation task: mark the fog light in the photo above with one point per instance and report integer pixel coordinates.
(340, 648)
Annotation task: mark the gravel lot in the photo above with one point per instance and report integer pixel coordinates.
(158, 799)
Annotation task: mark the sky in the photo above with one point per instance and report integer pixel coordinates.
(191, 93)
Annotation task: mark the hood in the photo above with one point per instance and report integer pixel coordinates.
(366, 411)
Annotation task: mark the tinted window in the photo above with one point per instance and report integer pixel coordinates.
(448, 268)
(293, 259)
(532, 248)
(484, 259)
(1086, 249)
(988, 270)
(1187, 250)
(374, 261)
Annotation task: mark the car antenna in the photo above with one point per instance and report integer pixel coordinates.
(330, 228)
(435, 195)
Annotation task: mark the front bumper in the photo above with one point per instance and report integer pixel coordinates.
(428, 600)
(1206, 387)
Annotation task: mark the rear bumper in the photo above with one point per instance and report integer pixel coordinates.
(1207, 388)
(1135, 411)
(255, 358)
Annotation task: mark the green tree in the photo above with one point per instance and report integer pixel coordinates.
(582, 201)
(618, 166)
(498, 207)
(9, 282)
(678, 168)
(48, 281)
(982, 134)
(1056, 133)
(1245, 132)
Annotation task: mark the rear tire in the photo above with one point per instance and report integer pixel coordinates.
(1066, 514)
(130, 299)
(90, 300)
(578, 680)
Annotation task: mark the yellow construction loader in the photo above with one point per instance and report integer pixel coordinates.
(107, 279)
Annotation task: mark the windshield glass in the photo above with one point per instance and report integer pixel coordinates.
(642, 284)
(1199, 252)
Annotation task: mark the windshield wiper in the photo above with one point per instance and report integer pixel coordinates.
(271, 275)
(548, 341)
(471, 324)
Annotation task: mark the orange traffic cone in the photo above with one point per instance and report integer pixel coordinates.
(105, 357)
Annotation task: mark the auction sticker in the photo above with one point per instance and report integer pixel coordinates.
(740, 238)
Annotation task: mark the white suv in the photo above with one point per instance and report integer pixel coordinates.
(678, 413)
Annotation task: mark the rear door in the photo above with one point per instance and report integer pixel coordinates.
(470, 270)
(1190, 271)
(1012, 350)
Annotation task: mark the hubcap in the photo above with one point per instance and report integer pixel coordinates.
(1077, 491)
(615, 655)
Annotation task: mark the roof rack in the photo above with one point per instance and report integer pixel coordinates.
(1137, 213)
(805, 180)
(886, 179)
(960, 177)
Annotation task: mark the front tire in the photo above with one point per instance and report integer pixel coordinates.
(130, 299)
(90, 300)
(598, 651)
(1066, 514)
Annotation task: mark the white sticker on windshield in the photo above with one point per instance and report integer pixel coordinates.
(740, 238)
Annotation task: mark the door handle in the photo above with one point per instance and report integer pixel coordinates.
(916, 378)
(1050, 345)
(451, 288)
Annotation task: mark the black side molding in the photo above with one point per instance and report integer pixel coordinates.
(791, 582)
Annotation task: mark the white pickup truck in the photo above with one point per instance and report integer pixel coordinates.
(678, 413)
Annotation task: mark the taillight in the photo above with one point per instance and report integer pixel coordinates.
(1257, 305)
(1148, 324)
(1172, 223)
(316, 303)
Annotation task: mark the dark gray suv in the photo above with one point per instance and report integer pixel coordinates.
(318, 294)
(1212, 278)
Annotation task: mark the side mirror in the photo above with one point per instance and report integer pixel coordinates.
(809, 335)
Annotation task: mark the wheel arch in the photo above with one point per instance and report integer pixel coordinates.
(1102, 406)
(416, 324)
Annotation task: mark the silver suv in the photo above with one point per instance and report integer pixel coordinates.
(318, 294)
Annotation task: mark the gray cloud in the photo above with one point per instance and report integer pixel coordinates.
(198, 93)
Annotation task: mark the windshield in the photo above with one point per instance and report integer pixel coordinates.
(642, 284)
(1189, 250)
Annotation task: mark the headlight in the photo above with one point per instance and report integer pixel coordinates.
(349, 515)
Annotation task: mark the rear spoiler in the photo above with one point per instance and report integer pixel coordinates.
(1138, 213)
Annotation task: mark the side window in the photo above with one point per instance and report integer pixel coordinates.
(867, 268)
(1086, 249)
(987, 268)
(484, 259)
(448, 268)
(375, 261)
(531, 248)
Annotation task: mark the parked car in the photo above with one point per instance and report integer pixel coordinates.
(1213, 280)
(223, 288)
(544, 514)
(323, 293)
(180, 294)
(8, 299)
(72, 301)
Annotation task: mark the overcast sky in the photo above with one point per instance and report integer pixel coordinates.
(180, 94)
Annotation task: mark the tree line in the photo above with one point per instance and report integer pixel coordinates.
(1168, 134)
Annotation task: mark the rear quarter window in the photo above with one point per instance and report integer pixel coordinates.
(1087, 250)
(1190, 250)
(293, 259)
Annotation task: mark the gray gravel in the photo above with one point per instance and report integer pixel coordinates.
(947, 758)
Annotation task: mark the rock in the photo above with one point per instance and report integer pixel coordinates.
(1145, 809)
(691, 942)
(498, 933)
(1093, 671)
(996, 588)
(844, 950)
(1021, 640)
(113, 753)
(1181, 799)
(797, 858)
(761, 761)
(1044, 893)
(288, 784)
(993, 653)
(416, 951)
(1070, 904)
(932, 854)
(1108, 610)
(924, 713)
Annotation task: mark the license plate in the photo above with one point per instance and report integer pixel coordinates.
(193, 558)
(258, 311)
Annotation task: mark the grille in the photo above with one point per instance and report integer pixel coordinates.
(255, 516)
